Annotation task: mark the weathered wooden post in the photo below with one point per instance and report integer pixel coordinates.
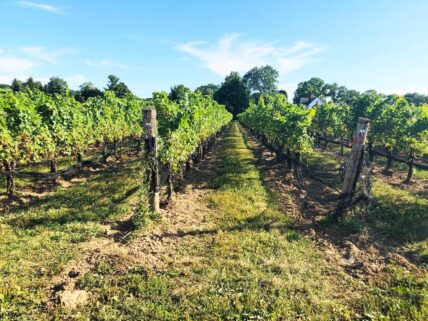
(10, 178)
(170, 184)
(151, 143)
(353, 166)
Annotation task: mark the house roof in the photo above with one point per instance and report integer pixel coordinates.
(313, 101)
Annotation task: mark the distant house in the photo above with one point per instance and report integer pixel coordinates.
(312, 101)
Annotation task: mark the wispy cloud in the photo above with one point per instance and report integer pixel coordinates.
(16, 65)
(13, 67)
(46, 55)
(233, 53)
(105, 63)
(41, 6)
(27, 61)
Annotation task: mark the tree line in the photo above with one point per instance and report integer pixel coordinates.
(57, 85)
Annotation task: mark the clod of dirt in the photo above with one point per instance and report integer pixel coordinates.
(73, 273)
(73, 299)
(352, 252)
(310, 233)
(59, 287)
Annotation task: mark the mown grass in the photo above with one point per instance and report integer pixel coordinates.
(37, 240)
(402, 216)
(255, 267)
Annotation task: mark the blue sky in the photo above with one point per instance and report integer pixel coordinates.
(153, 45)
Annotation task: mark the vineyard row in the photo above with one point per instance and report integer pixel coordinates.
(37, 127)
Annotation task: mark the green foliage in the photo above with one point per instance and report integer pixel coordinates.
(283, 92)
(25, 137)
(396, 125)
(233, 94)
(399, 126)
(56, 85)
(208, 89)
(185, 124)
(414, 141)
(333, 120)
(86, 91)
(261, 80)
(282, 123)
(417, 99)
(35, 126)
(31, 84)
(314, 86)
(118, 87)
(179, 93)
(16, 85)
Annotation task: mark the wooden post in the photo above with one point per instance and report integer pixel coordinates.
(10, 178)
(170, 185)
(151, 142)
(353, 166)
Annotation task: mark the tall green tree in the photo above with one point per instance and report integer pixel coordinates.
(86, 91)
(118, 87)
(31, 84)
(314, 86)
(416, 99)
(350, 97)
(261, 80)
(233, 94)
(208, 90)
(16, 85)
(179, 93)
(56, 85)
(336, 92)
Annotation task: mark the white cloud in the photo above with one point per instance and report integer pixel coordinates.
(26, 61)
(232, 53)
(105, 63)
(40, 6)
(43, 54)
(16, 65)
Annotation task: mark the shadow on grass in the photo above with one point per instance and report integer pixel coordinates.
(100, 199)
(258, 223)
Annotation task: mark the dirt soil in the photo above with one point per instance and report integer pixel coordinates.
(360, 255)
(182, 220)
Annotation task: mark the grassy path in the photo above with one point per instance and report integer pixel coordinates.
(237, 259)
(225, 250)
